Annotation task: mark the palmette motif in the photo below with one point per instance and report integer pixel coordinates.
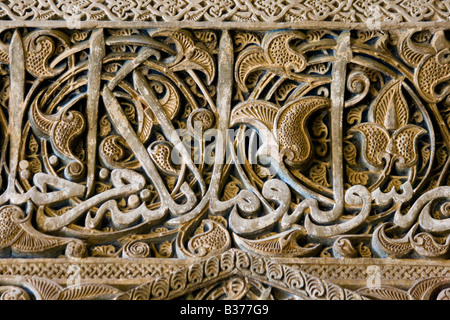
(226, 151)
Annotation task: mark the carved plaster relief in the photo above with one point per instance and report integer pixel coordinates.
(162, 156)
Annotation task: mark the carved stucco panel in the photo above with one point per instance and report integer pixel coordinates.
(224, 149)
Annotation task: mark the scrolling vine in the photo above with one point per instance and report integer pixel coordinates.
(184, 143)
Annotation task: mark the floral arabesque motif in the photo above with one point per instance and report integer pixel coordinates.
(389, 136)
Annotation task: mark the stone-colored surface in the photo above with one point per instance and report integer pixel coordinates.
(231, 149)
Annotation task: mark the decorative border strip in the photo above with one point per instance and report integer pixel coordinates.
(355, 272)
(149, 279)
(345, 272)
(368, 13)
(170, 282)
(102, 270)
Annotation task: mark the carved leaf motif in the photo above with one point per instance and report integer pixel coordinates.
(315, 287)
(113, 151)
(46, 289)
(384, 293)
(4, 89)
(258, 265)
(130, 112)
(376, 140)
(283, 244)
(190, 55)
(231, 191)
(433, 71)
(258, 110)
(275, 55)
(88, 291)
(104, 251)
(250, 60)
(160, 288)
(164, 250)
(214, 240)
(344, 248)
(212, 267)
(202, 60)
(263, 172)
(102, 187)
(40, 121)
(425, 153)
(63, 130)
(28, 243)
(140, 293)
(178, 280)
(279, 51)
(394, 184)
(4, 54)
(170, 101)
(290, 122)
(357, 177)
(9, 229)
(244, 39)
(33, 145)
(66, 131)
(79, 36)
(404, 143)
(410, 52)
(321, 148)
(420, 289)
(386, 246)
(355, 114)
(195, 273)
(284, 90)
(350, 153)
(39, 47)
(105, 126)
(294, 279)
(319, 128)
(425, 245)
(207, 37)
(320, 68)
(364, 250)
(334, 292)
(441, 156)
(318, 174)
(161, 153)
(390, 108)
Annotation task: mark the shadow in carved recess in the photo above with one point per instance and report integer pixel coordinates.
(233, 153)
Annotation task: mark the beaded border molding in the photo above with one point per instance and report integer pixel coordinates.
(351, 99)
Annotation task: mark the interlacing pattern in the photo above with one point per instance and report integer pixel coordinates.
(223, 151)
(356, 11)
